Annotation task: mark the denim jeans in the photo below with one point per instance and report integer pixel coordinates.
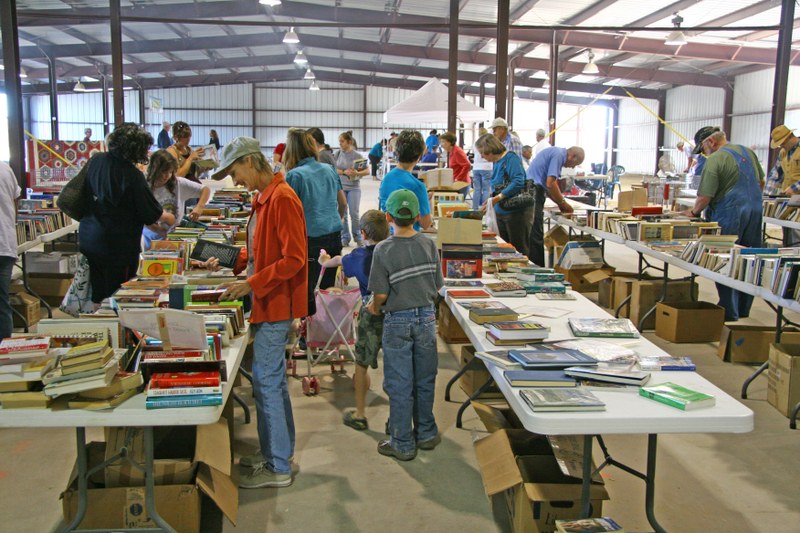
(410, 363)
(482, 187)
(273, 407)
(6, 317)
(353, 202)
(515, 228)
(536, 244)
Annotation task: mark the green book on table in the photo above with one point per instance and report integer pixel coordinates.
(677, 396)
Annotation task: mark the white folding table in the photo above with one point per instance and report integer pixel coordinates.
(626, 412)
(131, 413)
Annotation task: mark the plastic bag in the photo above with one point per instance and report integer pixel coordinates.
(491, 217)
(79, 295)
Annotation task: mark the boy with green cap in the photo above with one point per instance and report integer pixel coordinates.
(404, 280)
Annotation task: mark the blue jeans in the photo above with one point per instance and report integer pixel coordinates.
(6, 317)
(273, 407)
(482, 188)
(410, 363)
(353, 203)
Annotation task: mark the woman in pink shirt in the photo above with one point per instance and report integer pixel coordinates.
(457, 160)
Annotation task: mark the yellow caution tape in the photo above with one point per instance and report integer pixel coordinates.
(49, 149)
(664, 122)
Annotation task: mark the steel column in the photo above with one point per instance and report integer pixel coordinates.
(53, 79)
(253, 118)
(782, 69)
(142, 109)
(727, 112)
(482, 95)
(116, 63)
(106, 128)
(662, 109)
(511, 92)
(552, 100)
(452, 67)
(614, 130)
(501, 61)
(13, 89)
(364, 116)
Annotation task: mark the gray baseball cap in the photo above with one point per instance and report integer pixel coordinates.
(238, 147)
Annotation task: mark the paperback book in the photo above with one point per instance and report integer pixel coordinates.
(677, 396)
(504, 289)
(499, 358)
(603, 327)
(589, 525)
(468, 293)
(561, 399)
(167, 402)
(554, 296)
(666, 363)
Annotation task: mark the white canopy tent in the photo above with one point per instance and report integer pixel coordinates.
(429, 105)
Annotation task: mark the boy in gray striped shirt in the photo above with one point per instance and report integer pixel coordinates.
(405, 279)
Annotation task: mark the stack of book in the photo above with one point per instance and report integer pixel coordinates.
(183, 389)
(516, 332)
(506, 289)
(22, 360)
(609, 374)
(81, 367)
(483, 312)
(666, 363)
(123, 386)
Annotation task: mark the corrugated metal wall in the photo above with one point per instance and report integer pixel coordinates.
(688, 110)
(636, 136)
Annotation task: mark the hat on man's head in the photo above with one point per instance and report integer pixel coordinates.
(402, 204)
(499, 122)
(238, 147)
(702, 134)
(780, 135)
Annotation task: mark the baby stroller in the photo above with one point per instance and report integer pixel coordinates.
(333, 326)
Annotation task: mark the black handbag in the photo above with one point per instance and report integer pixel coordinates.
(522, 200)
(72, 198)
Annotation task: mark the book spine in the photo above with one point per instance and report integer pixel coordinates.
(149, 359)
(663, 399)
(183, 391)
(173, 383)
(185, 401)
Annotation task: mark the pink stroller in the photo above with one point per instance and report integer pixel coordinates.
(332, 327)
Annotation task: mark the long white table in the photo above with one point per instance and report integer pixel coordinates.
(131, 413)
(626, 412)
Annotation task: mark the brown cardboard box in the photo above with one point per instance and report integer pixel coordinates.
(645, 294)
(459, 231)
(173, 464)
(750, 344)
(521, 466)
(689, 321)
(26, 305)
(585, 279)
(51, 287)
(449, 328)
(496, 414)
(472, 380)
(556, 236)
(783, 377)
(634, 198)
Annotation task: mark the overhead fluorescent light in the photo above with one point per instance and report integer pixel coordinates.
(313, 86)
(309, 75)
(22, 73)
(270, 3)
(591, 66)
(291, 37)
(676, 36)
(300, 58)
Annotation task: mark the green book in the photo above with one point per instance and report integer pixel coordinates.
(677, 396)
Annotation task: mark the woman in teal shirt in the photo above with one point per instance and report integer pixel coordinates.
(375, 155)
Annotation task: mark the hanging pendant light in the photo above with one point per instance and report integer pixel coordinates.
(591, 66)
(300, 58)
(676, 37)
(313, 86)
(309, 75)
(291, 37)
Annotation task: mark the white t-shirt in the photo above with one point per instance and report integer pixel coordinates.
(479, 163)
(538, 147)
(9, 192)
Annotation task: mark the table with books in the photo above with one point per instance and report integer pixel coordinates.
(625, 412)
(131, 413)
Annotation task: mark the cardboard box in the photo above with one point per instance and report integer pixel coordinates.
(783, 377)
(472, 380)
(459, 231)
(645, 294)
(607, 288)
(61, 246)
(556, 236)
(26, 305)
(496, 414)
(689, 321)
(438, 178)
(51, 287)
(626, 200)
(51, 263)
(174, 450)
(750, 344)
(521, 466)
(448, 327)
(585, 279)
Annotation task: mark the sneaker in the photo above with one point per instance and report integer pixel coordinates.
(430, 443)
(261, 476)
(255, 459)
(350, 419)
(385, 448)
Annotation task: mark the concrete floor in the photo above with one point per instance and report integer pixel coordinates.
(706, 483)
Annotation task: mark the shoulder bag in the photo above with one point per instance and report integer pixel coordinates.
(72, 198)
(522, 200)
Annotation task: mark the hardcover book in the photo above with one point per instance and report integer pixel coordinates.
(554, 296)
(666, 363)
(226, 253)
(518, 330)
(539, 378)
(611, 374)
(184, 379)
(551, 358)
(677, 396)
(468, 293)
(506, 289)
(603, 327)
(484, 312)
(167, 402)
(499, 358)
(561, 399)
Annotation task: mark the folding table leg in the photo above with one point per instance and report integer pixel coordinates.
(149, 484)
(650, 484)
(473, 396)
(83, 467)
(793, 416)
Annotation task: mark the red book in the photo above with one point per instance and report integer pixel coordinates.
(167, 380)
(207, 295)
(468, 293)
(173, 356)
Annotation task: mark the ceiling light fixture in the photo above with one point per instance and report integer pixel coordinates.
(79, 87)
(591, 66)
(270, 3)
(22, 73)
(313, 86)
(676, 36)
(291, 37)
(309, 75)
(300, 58)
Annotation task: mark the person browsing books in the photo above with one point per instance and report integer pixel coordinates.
(375, 155)
(457, 160)
(405, 279)
(408, 150)
(358, 264)
(277, 277)
(182, 133)
(172, 193)
(351, 184)
(9, 192)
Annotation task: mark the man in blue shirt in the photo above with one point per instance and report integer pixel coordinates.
(408, 150)
(545, 170)
(164, 140)
(432, 142)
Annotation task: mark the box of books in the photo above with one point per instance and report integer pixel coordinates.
(51, 287)
(51, 263)
(473, 379)
(645, 294)
(496, 414)
(459, 231)
(689, 321)
(27, 306)
(448, 327)
(585, 279)
(783, 377)
(749, 343)
(521, 468)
